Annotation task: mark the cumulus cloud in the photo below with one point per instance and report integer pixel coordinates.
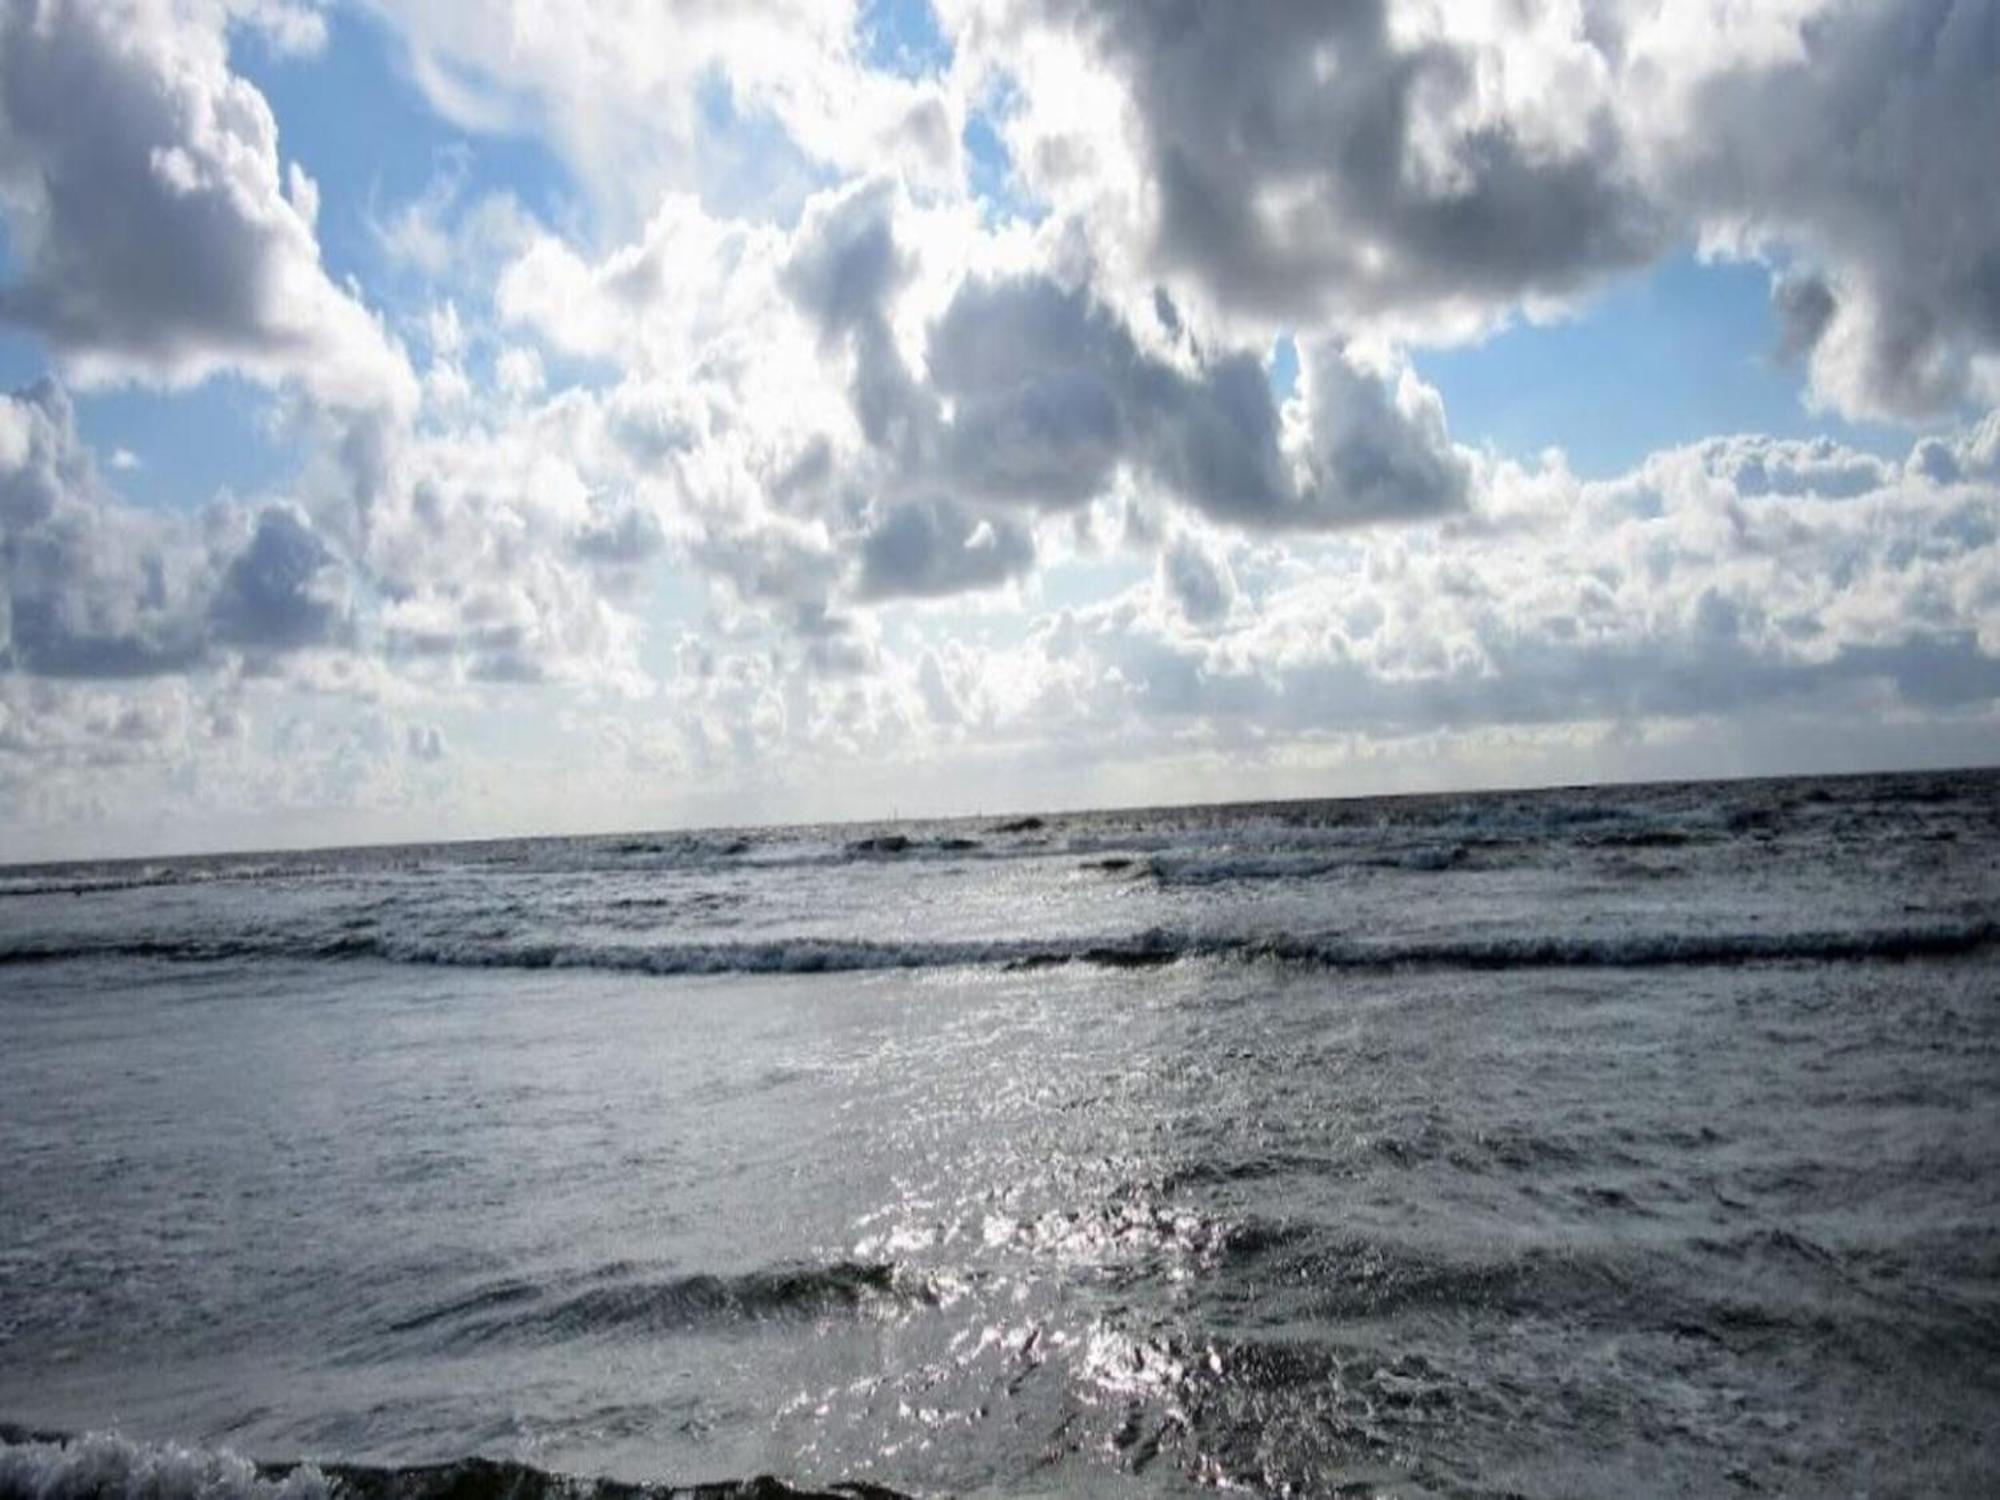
(1672, 594)
(1200, 585)
(1344, 162)
(937, 547)
(1034, 393)
(1819, 466)
(682, 95)
(1416, 170)
(93, 588)
(90, 727)
(283, 590)
(40, 458)
(625, 538)
(1372, 445)
(1862, 155)
(154, 234)
(714, 459)
(1973, 455)
(505, 551)
(1717, 585)
(881, 404)
(1051, 396)
(1430, 168)
(1334, 166)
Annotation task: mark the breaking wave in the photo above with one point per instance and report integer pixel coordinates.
(522, 1312)
(828, 955)
(106, 1466)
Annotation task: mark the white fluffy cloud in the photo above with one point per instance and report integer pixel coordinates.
(1690, 590)
(747, 104)
(789, 452)
(1860, 156)
(883, 403)
(1417, 170)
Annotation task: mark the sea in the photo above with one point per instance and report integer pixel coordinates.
(1619, 1141)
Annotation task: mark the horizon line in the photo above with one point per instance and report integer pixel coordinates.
(1531, 788)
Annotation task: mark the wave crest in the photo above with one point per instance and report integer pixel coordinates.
(106, 1466)
(515, 1311)
(828, 955)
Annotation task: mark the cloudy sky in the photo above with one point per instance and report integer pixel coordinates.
(424, 419)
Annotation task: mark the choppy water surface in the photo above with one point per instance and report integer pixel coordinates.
(1635, 1141)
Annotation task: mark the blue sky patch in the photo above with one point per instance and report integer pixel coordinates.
(1682, 352)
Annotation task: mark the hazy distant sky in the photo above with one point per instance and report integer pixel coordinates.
(449, 417)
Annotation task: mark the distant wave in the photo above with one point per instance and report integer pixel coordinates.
(827, 955)
(1180, 846)
(522, 1312)
(1183, 846)
(544, 857)
(1298, 864)
(92, 881)
(105, 1466)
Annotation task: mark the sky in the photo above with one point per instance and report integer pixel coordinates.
(424, 421)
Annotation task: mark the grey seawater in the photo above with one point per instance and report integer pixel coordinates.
(1638, 1141)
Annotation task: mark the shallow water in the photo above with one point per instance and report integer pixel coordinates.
(1625, 1141)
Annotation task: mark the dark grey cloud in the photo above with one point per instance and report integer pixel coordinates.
(126, 249)
(1934, 459)
(480, 630)
(1050, 394)
(1316, 106)
(93, 588)
(1804, 306)
(1374, 455)
(96, 593)
(845, 267)
(1200, 589)
(846, 261)
(151, 231)
(1053, 440)
(834, 648)
(1036, 394)
(929, 548)
(89, 589)
(283, 591)
(1040, 384)
(780, 567)
(1032, 395)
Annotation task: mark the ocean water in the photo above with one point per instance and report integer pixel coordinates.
(1634, 1141)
